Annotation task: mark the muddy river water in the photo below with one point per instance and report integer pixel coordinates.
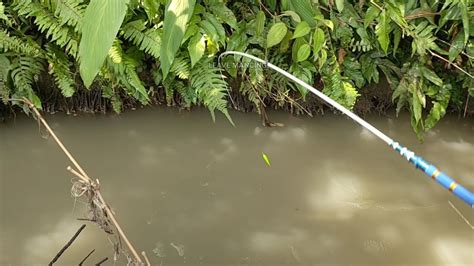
(192, 192)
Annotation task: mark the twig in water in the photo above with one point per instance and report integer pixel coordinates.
(84, 259)
(67, 245)
(93, 186)
(146, 258)
(467, 105)
(102, 261)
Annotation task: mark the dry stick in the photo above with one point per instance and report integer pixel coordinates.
(451, 63)
(146, 258)
(86, 178)
(102, 261)
(84, 259)
(467, 105)
(111, 216)
(67, 245)
(60, 144)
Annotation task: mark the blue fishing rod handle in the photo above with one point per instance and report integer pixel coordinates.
(441, 178)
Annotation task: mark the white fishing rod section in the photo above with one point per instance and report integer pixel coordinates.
(429, 169)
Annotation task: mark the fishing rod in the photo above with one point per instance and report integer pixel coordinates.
(441, 178)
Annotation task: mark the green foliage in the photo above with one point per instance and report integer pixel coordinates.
(423, 49)
(147, 40)
(23, 72)
(177, 15)
(210, 87)
(101, 24)
(54, 20)
(60, 68)
(276, 34)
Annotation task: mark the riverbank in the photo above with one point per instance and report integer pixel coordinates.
(376, 99)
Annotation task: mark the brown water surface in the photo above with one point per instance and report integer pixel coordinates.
(190, 191)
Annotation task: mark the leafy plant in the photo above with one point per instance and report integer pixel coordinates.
(144, 50)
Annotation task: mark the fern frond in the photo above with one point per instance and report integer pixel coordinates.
(423, 38)
(2, 12)
(24, 69)
(210, 87)
(168, 85)
(248, 90)
(336, 87)
(148, 40)
(4, 72)
(70, 12)
(17, 45)
(124, 72)
(60, 68)
(54, 27)
(115, 53)
(108, 92)
(187, 94)
(181, 67)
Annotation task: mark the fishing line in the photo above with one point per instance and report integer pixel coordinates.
(429, 169)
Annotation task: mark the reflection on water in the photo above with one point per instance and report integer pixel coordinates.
(187, 190)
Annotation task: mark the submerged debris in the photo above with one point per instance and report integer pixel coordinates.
(179, 248)
(159, 250)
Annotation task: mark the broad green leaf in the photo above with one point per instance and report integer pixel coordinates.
(328, 23)
(276, 34)
(431, 76)
(396, 11)
(304, 9)
(218, 26)
(465, 18)
(271, 4)
(210, 30)
(266, 159)
(421, 97)
(296, 48)
(370, 15)
(177, 14)
(285, 43)
(397, 35)
(340, 5)
(318, 40)
(293, 15)
(224, 14)
(303, 52)
(260, 23)
(191, 30)
(416, 108)
(452, 13)
(196, 48)
(436, 113)
(2, 12)
(457, 46)
(301, 30)
(383, 30)
(101, 23)
(322, 59)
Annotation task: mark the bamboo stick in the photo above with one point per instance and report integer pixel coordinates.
(83, 176)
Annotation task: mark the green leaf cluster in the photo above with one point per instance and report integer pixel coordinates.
(141, 49)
